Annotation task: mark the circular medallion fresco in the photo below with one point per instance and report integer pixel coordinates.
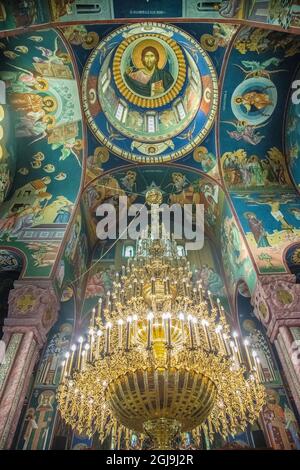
(254, 100)
(150, 92)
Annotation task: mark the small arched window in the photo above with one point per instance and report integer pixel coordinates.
(128, 251)
(180, 250)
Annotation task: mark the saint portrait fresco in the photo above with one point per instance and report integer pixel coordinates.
(148, 74)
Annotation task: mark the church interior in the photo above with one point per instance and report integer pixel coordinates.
(140, 344)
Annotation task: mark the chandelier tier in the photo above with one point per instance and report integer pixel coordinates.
(159, 359)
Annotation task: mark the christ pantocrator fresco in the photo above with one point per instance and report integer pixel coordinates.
(148, 76)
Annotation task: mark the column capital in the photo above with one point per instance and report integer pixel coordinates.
(32, 306)
(276, 302)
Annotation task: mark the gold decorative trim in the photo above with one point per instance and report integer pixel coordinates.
(142, 101)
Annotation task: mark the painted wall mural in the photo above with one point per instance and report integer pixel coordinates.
(37, 429)
(176, 186)
(43, 96)
(214, 40)
(7, 152)
(149, 92)
(73, 263)
(292, 257)
(235, 256)
(280, 423)
(292, 137)
(276, 12)
(253, 159)
(17, 14)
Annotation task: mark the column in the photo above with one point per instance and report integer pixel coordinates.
(276, 302)
(33, 309)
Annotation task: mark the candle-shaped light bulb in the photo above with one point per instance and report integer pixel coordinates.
(210, 299)
(63, 365)
(92, 323)
(205, 324)
(80, 341)
(168, 285)
(200, 290)
(150, 317)
(227, 347)
(181, 318)
(128, 332)
(67, 356)
(73, 349)
(99, 308)
(235, 337)
(168, 323)
(190, 322)
(153, 285)
(83, 359)
(108, 327)
(99, 334)
(196, 331)
(120, 333)
(246, 344)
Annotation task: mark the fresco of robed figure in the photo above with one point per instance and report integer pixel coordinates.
(147, 76)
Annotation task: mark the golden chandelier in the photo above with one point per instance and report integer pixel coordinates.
(159, 360)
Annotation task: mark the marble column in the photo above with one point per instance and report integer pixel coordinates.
(276, 302)
(33, 309)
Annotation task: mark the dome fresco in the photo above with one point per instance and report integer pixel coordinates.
(149, 92)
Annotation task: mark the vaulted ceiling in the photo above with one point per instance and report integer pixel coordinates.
(223, 131)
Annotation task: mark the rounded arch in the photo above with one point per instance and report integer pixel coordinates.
(43, 95)
(12, 264)
(12, 259)
(291, 259)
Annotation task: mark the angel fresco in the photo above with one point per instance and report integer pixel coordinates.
(256, 68)
(148, 76)
(245, 131)
(254, 100)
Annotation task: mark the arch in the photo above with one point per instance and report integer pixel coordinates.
(253, 167)
(291, 259)
(42, 90)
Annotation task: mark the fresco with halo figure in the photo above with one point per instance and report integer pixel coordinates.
(280, 424)
(36, 432)
(43, 100)
(253, 160)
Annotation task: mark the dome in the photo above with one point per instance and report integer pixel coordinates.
(149, 92)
